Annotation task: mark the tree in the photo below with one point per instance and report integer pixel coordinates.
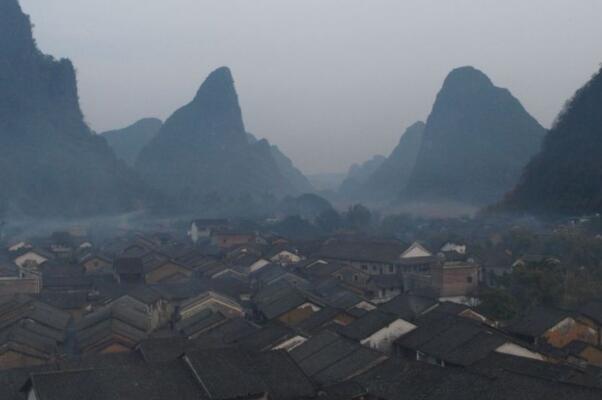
(359, 217)
(296, 227)
(498, 304)
(521, 241)
(329, 220)
(539, 283)
(396, 224)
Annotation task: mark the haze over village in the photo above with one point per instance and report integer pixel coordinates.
(247, 200)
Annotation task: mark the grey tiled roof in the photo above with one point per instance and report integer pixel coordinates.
(329, 358)
(234, 373)
(398, 379)
(536, 321)
(368, 324)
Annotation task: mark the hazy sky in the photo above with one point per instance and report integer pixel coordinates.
(331, 82)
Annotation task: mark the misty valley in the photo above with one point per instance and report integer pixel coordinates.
(190, 257)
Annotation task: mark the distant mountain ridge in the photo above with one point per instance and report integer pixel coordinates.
(52, 164)
(129, 141)
(386, 180)
(358, 174)
(566, 176)
(476, 142)
(286, 167)
(391, 178)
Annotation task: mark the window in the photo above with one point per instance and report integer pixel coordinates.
(469, 279)
(364, 267)
(355, 278)
(391, 269)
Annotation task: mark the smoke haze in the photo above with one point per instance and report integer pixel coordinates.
(331, 82)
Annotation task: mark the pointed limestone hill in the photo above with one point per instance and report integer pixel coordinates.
(52, 164)
(475, 144)
(203, 149)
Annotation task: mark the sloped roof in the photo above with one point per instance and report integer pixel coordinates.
(153, 261)
(275, 250)
(108, 330)
(234, 373)
(399, 379)
(325, 269)
(267, 337)
(471, 351)
(179, 291)
(200, 322)
(536, 321)
(369, 251)
(155, 350)
(116, 312)
(368, 324)
(144, 294)
(318, 320)
(497, 363)
(37, 250)
(17, 336)
(416, 250)
(282, 376)
(329, 358)
(35, 320)
(150, 382)
(243, 260)
(281, 297)
(232, 331)
(210, 294)
(453, 339)
(449, 307)
(193, 258)
(13, 380)
(128, 265)
(92, 255)
(408, 306)
(344, 299)
(343, 391)
(269, 273)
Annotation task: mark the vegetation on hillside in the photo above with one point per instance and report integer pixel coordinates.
(566, 176)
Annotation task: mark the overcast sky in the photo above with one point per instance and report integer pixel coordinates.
(331, 82)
